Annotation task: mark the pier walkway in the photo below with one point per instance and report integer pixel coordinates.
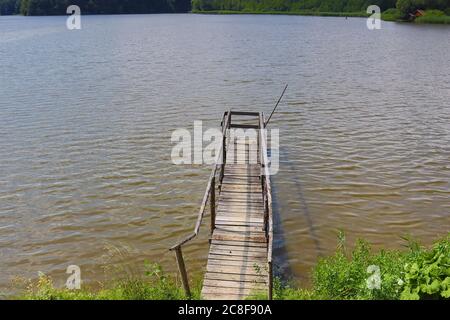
(240, 204)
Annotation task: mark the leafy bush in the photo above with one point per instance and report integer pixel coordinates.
(406, 6)
(341, 277)
(413, 274)
(429, 275)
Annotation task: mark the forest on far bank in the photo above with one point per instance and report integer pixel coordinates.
(397, 9)
(59, 7)
(404, 6)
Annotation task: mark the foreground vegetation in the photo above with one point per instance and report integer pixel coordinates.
(415, 273)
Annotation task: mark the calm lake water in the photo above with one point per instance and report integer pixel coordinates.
(87, 116)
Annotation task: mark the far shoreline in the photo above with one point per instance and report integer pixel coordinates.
(387, 16)
(285, 13)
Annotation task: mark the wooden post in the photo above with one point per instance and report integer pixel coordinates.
(224, 149)
(266, 209)
(270, 281)
(182, 268)
(213, 204)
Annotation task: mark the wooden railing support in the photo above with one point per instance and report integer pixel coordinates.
(213, 204)
(224, 147)
(270, 271)
(210, 192)
(182, 269)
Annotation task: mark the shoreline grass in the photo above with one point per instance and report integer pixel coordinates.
(393, 15)
(359, 274)
(288, 13)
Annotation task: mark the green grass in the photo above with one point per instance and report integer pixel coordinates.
(391, 15)
(434, 16)
(153, 285)
(413, 273)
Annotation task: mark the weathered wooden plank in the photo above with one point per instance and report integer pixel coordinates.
(221, 246)
(241, 152)
(241, 186)
(240, 195)
(218, 290)
(242, 211)
(252, 174)
(236, 277)
(246, 144)
(239, 229)
(242, 159)
(252, 261)
(256, 268)
(241, 208)
(242, 191)
(242, 169)
(228, 182)
(234, 284)
(238, 253)
(236, 269)
(227, 202)
(247, 199)
(226, 223)
(224, 218)
(238, 216)
(253, 202)
(244, 113)
(240, 243)
(224, 235)
(260, 264)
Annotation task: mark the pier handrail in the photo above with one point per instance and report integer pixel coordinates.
(210, 190)
(267, 196)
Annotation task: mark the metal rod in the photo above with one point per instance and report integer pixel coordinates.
(278, 102)
(182, 268)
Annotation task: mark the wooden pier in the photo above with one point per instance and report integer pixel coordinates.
(240, 205)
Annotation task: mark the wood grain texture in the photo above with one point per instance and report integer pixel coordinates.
(237, 260)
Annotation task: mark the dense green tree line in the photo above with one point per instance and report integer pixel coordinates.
(291, 5)
(404, 6)
(58, 7)
(54, 7)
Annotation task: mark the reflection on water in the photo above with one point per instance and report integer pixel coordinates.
(86, 120)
